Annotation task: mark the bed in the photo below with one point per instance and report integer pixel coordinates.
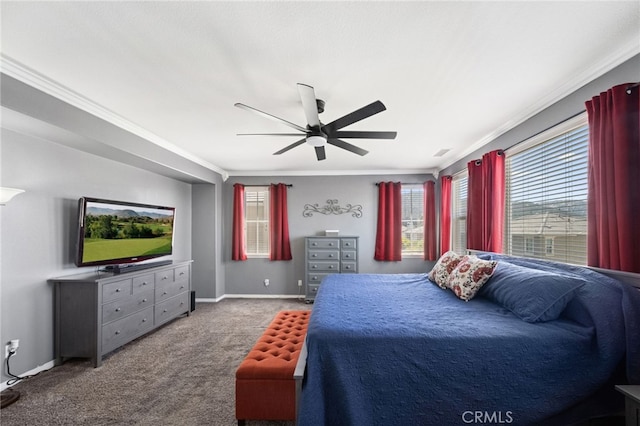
(398, 349)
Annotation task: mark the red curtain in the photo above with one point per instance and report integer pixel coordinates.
(445, 214)
(238, 249)
(430, 252)
(613, 233)
(389, 229)
(279, 223)
(485, 202)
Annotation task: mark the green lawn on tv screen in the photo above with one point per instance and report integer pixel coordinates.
(96, 249)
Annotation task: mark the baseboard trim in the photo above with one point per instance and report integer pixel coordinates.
(263, 296)
(49, 365)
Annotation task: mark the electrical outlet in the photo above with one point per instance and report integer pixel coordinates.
(266, 282)
(299, 283)
(12, 346)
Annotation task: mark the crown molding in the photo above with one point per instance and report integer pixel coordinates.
(14, 69)
(332, 172)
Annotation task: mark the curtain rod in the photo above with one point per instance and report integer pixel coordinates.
(288, 185)
(408, 183)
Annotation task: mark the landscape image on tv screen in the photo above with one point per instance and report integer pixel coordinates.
(114, 231)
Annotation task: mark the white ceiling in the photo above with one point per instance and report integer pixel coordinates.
(453, 75)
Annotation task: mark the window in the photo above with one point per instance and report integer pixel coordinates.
(546, 195)
(459, 186)
(412, 219)
(256, 209)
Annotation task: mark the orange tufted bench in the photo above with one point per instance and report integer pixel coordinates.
(265, 386)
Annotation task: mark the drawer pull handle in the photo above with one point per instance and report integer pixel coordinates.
(181, 287)
(315, 266)
(144, 300)
(314, 244)
(165, 277)
(347, 256)
(144, 320)
(314, 255)
(331, 255)
(164, 311)
(118, 290)
(144, 283)
(181, 273)
(347, 267)
(164, 293)
(314, 290)
(330, 266)
(118, 309)
(330, 244)
(117, 332)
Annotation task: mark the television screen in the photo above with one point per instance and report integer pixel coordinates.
(115, 232)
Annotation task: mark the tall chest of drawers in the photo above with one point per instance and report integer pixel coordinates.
(325, 256)
(96, 313)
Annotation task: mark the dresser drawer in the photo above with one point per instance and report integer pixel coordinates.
(324, 266)
(312, 290)
(123, 307)
(323, 243)
(349, 255)
(169, 289)
(116, 290)
(324, 254)
(349, 267)
(170, 308)
(119, 332)
(143, 283)
(316, 278)
(181, 274)
(164, 277)
(348, 243)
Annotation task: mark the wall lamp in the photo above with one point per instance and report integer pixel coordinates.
(6, 194)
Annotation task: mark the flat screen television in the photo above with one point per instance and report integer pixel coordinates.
(117, 232)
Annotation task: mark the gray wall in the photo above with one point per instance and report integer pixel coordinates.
(38, 229)
(208, 273)
(247, 277)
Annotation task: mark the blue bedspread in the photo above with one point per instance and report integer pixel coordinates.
(398, 350)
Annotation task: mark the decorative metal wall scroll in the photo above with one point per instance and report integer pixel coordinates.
(332, 207)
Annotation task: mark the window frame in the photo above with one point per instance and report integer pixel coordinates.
(253, 250)
(573, 124)
(412, 188)
(459, 182)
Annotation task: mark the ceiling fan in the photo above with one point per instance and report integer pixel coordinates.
(318, 134)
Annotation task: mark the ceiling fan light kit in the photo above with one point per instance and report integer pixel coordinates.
(318, 134)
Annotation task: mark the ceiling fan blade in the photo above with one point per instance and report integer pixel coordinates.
(271, 117)
(364, 135)
(288, 147)
(345, 145)
(355, 116)
(268, 134)
(320, 153)
(308, 97)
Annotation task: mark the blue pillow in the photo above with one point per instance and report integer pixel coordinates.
(533, 295)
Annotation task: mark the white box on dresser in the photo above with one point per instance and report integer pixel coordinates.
(96, 313)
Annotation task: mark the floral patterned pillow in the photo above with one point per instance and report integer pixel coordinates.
(443, 268)
(470, 275)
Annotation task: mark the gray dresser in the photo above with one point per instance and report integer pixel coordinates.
(325, 256)
(96, 313)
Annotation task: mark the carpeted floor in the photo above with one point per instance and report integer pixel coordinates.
(181, 374)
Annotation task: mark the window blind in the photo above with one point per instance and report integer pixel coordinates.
(257, 220)
(412, 219)
(459, 186)
(546, 199)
